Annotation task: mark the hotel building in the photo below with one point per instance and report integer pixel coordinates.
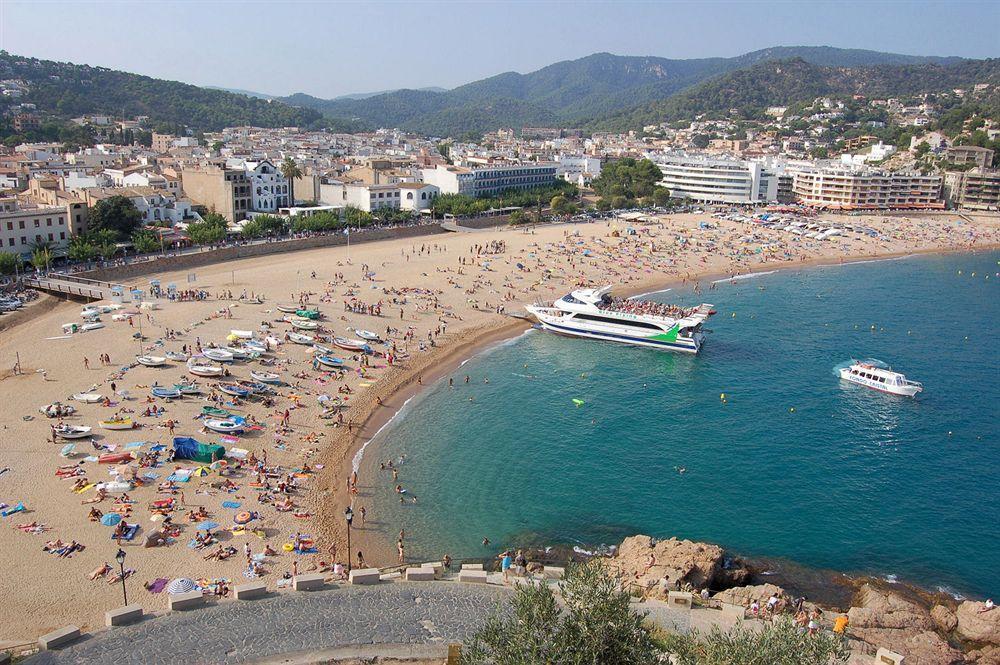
(853, 189)
(714, 180)
(490, 180)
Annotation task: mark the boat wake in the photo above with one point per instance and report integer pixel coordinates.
(739, 278)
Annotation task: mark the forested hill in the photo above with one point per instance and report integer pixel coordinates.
(570, 92)
(67, 90)
(748, 92)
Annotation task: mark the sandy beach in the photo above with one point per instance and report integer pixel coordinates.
(435, 300)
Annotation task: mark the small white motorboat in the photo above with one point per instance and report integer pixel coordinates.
(288, 309)
(253, 346)
(303, 324)
(176, 356)
(367, 335)
(877, 376)
(272, 342)
(265, 377)
(224, 426)
(73, 431)
(350, 344)
(218, 355)
(325, 350)
(88, 398)
(187, 388)
(299, 338)
(237, 352)
(204, 370)
(242, 334)
(95, 325)
(151, 361)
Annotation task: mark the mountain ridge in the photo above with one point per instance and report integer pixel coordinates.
(577, 91)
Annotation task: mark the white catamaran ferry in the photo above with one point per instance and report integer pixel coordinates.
(878, 377)
(596, 314)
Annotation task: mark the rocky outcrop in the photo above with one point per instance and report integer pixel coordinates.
(944, 618)
(743, 595)
(885, 618)
(976, 626)
(984, 656)
(648, 562)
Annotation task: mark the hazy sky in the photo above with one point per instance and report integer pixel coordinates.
(332, 48)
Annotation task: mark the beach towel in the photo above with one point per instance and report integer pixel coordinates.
(84, 488)
(134, 444)
(178, 479)
(19, 508)
(129, 533)
(157, 585)
(207, 525)
(231, 504)
(158, 447)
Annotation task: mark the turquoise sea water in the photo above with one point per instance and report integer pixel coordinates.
(852, 479)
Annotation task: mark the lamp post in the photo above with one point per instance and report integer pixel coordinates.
(349, 516)
(120, 558)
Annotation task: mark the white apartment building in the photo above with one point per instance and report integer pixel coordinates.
(23, 226)
(579, 170)
(417, 195)
(717, 180)
(269, 189)
(490, 180)
(856, 189)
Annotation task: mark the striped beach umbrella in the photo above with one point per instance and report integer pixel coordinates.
(181, 585)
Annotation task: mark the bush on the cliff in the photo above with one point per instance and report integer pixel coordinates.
(779, 642)
(596, 625)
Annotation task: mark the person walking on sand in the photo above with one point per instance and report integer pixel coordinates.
(86, 362)
(361, 560)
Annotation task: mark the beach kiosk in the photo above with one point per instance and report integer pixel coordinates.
(154, 288)
(118, 294)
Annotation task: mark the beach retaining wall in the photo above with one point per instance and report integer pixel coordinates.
(177, 262)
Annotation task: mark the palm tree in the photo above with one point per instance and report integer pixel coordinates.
(41, 257)
(291, 171)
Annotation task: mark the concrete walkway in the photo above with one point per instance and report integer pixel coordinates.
(399, 614)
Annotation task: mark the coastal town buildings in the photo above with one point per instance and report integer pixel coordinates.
(489, 180)
(26, 226)
(858, 189)
(978, 189)
(225, 191)
(717, 180)
(980, 158)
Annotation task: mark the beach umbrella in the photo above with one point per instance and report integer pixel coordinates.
(67, 450)
(218, 464)
(181, 585)
(111, 519)
(200, 471)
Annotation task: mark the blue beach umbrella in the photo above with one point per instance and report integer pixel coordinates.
(111, 519)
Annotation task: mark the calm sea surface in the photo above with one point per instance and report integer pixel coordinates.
(793, 464)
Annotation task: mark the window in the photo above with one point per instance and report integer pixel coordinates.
(10, 242)
(62, 235)
(10, 226)
(37, 223)
(409, 196)
(606, 319)
(24, 241)
(51, 238)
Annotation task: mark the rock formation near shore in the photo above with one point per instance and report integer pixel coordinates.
(648, 562)
(976, 626)
(922, 627)
(886, 618)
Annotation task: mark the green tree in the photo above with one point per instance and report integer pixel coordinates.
(819, 152)
(559, 204)
(207, 232)
(922, 149)
(604, 205)
(290, 170)
(80, 249)
(41, 258)
(217, 146)
(595, 625)
(661, 196)
(777, 642)
(115, 213)
(145, 242)
(627, 177)
(252, 229)
(10, 263)
(517, 217)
